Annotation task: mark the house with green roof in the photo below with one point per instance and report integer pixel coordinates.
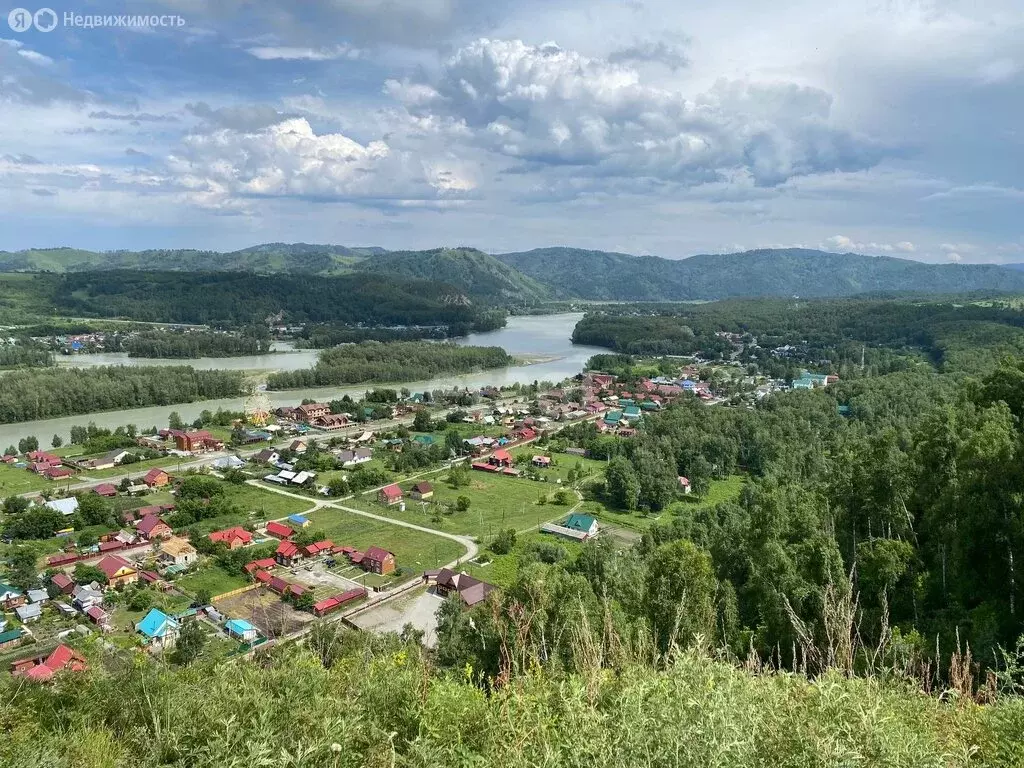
(584, 523)
(631, 413)
(612, 418)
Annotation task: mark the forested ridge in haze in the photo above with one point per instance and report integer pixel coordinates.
(524, 279)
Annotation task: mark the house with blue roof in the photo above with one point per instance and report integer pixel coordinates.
(240, 629)
(159, 629)
(299, 521)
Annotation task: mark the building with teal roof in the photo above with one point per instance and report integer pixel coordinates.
(158, 628)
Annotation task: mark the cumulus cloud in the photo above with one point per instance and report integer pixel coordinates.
(289, 159)
(670, 55)
(550, 106)
(845, 243)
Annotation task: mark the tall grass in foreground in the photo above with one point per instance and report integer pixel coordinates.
(378, 702)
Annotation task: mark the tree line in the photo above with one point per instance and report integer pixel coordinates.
(890, 536)
(393, 361)
(254, 340)
(48, 393)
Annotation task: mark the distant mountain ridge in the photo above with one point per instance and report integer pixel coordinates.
(603, 276)
(532, 277)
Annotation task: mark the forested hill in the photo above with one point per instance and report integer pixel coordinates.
(473, 272)
(531, 277)
(265, 258)
(602, 276)
(233, 298)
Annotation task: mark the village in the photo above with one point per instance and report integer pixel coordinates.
(247, 533)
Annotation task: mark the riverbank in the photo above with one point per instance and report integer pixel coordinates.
(544, 338)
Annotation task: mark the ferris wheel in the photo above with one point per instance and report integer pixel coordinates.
(257, 408)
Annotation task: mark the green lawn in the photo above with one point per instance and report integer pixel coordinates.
(14, 481)
(136, 470)
(267, 504)
(561, 463)
(496, 502)
(413, 550)
(503, 569)
(212, 578)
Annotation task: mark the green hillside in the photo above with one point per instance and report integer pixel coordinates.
(268, 257)
(601, 276)
(474, 272)
(359, 703)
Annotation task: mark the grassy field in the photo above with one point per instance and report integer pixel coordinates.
(268, 505)
(212, 578)
(414, 550)
(561, 463)
(503, 569)
(496, 502)
(14, 481)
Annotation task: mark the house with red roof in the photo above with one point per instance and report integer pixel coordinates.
(389, 495)
(41, 669)
(153, 527)
(64, 583)
(57, 473)
(156, 478)
(195, 441)
(336, 601)
(377, 560)
(260, 565)
(118, 571)
(235, 538)
(422, 491)
(97, 615)
(319, 548)
(288, 552)
(279, 530)
(278, 585)
(106, 490)
(500, 458)
(263, 577)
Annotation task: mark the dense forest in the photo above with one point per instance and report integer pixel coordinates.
(24, 356)
(888, 540)
(390, 362)
(473, 272)
(52, 392)
(254, 340)
(603, 276)
(349, 700)
(231, 299)
(952, 336)
(524, 279)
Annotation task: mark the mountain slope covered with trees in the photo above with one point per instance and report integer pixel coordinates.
(473, 272)
(531, 277)
(598, 275)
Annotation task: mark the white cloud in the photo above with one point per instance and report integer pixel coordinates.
(35, 57)
(288, 53)
(288, 159)
(550, 106)
(844, 243)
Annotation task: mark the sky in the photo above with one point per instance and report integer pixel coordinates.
(668, 127)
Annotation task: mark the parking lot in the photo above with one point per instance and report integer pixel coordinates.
(324, 582)
(418, 608)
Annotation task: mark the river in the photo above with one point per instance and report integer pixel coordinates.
(541, 336)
